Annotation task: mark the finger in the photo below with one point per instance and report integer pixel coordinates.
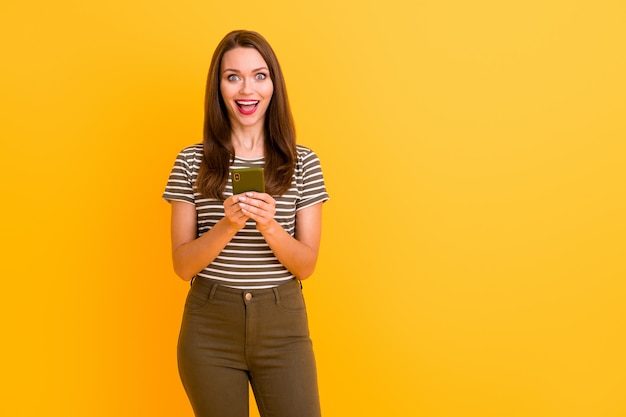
(268, 205)
(252, 203)
(239, 217)
(266, 198)
(255, 213)
(233, 200)
(248, 208)
(234, 213)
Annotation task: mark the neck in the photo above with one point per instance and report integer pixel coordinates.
(248, 143)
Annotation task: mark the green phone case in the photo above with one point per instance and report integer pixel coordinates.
(247, 179)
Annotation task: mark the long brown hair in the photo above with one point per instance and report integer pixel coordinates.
(280, 135)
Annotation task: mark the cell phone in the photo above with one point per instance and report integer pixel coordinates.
(247, 179)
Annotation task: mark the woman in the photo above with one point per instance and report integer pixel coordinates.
(245, 318)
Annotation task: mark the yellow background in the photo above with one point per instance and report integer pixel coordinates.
(473, 248)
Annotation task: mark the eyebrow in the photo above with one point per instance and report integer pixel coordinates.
(254, 70)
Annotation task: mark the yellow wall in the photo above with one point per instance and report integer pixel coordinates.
(473, 248)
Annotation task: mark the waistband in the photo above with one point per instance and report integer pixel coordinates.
(216, 291)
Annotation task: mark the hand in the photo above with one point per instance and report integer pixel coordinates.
(260, 207)
(234, 213)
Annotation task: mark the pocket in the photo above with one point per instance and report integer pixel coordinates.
(292, 302)
(196, 300)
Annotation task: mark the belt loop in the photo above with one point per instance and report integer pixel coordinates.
(276, 294)
(212, 292)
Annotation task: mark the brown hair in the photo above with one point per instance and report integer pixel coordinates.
(280, 135)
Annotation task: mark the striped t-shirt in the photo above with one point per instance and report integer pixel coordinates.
(247, 261)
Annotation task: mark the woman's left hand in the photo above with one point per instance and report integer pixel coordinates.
(260, 207)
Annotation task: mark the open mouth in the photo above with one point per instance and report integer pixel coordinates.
(247, 106)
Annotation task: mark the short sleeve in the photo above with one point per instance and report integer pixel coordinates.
(313, 189)
(180, 184)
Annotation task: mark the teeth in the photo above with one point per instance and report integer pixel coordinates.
(247, 103)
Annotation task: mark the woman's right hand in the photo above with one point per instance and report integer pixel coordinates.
(233, 212)
(191, 253)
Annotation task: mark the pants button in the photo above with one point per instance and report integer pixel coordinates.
(248, 296)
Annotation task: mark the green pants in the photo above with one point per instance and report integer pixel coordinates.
(231, 337)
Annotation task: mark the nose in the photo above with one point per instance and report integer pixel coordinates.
(246, 86)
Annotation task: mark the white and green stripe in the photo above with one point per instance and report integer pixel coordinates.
(247, 261)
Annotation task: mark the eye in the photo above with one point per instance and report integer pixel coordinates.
(261, 76)
(233, 77)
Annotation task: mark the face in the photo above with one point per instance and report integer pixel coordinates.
(246, 86)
